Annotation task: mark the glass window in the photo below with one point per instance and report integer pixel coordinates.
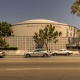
(37, 50)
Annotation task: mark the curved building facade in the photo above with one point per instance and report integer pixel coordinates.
(24, 31)
(28, 28)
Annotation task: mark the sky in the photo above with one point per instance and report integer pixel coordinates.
(14, 11)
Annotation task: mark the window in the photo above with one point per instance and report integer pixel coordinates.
(70, 34)
(37, 50)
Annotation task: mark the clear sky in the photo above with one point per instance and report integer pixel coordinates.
(14, 11)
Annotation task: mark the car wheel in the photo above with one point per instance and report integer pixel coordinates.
(67, 54)
(45, 55)
(55, 54)
(27, 55)
(1, 56)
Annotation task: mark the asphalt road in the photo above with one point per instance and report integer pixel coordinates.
(52, 68)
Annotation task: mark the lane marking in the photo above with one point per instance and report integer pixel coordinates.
(13, 69)
(24, 69)
(41, 61)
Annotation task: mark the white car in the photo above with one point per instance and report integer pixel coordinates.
(62, 51)
(2, 53)
(37, 52)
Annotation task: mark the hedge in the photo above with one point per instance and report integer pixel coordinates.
(9, 48)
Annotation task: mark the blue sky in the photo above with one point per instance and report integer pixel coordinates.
(14, 11)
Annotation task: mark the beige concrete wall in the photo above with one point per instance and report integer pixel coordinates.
(27, 43)
(30, 29)
(27, 29)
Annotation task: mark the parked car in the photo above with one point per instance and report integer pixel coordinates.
(2, 53)
(62, 51)
(37, 52)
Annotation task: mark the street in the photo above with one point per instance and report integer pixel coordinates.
(39, 68)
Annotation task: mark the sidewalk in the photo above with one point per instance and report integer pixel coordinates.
(14, 56)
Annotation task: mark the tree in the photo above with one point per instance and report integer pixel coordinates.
(5, 29)
(46, 35)
(3, 43)
(38, 38)
(76, 8)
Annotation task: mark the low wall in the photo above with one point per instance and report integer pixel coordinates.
(15, 52)
(76, 52)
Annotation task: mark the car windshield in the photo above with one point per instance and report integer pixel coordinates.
(62, 50)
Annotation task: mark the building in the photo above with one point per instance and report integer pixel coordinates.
(28, 28)
(74, 42)
(24, 31)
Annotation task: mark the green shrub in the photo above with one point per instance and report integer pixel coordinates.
(9, 48)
